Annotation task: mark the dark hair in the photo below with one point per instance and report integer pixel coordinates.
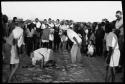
(119, 12)
(14, 18)
(5, 18)
(108, 27)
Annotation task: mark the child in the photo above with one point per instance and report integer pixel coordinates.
(64, 39)
(90, 49)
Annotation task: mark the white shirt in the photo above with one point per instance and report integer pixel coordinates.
(38, 24)
(37, 54)
(111, 40)
(43, 26)
(57, 25)
(51, 25)
(64, 27)
(18, 34)
(90, 48)
(71, 34)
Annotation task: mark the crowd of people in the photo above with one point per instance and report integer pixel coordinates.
(91, 39)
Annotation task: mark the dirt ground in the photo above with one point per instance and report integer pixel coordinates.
(90, 69)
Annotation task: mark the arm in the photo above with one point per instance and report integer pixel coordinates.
(76, 41)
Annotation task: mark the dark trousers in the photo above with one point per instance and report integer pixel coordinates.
(50, 44)
(45, 44)
(29, 45)
(56, 45)
(99, 47)
(69, 45)
(121, 48)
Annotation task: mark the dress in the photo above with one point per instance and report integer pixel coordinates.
(111, 42)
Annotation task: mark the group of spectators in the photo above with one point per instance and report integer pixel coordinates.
(56, 36)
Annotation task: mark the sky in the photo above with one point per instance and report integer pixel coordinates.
(87, 11)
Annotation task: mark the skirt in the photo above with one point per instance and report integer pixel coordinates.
(114, 60)
(13, 60)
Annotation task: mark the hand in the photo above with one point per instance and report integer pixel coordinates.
(16, 57)
(79, 45)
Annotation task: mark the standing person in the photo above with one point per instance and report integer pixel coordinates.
(38, 33)
(45, 36)
(12, 24)
(75, 51)
(15, 40)
(120, 33)
(43, 26)
(51, 38)
(113, 55)
(99, 40)
(4, 32)
(56, 35)
(29, 38)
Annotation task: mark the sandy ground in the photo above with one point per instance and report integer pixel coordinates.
(90, 69)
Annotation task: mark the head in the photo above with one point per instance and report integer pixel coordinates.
(57, 21)
(14, 19)
(118, 15)
(45, 21)
(36, 20)
(4, 18)
(90, 42)
(108, 27)
(49, 20)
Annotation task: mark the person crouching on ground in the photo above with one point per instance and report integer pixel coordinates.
(75, 51)
(90, 49)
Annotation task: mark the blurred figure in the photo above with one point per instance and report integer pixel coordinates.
(56, 35)
(29, 38)
(120, 34)
(91, 49)
(38, 33)
(75, 51)
(45, 36)
(113, 54)
(99, 40)
(16, 41)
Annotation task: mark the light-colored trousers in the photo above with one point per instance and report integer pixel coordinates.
(75, 53)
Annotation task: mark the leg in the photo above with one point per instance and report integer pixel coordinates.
(78, 55)
(113, 74)
(13, 72)
(73, 53)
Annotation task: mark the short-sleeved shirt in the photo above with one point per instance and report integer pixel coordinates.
(18, 34)
(71, 34)
(43, 26)
(38, 25)
(111, 40)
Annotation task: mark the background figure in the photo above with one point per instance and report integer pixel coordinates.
(29, 38)
(57, 38)
(120, 34)
(99, 40)
(38, 33)
(45, 37)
